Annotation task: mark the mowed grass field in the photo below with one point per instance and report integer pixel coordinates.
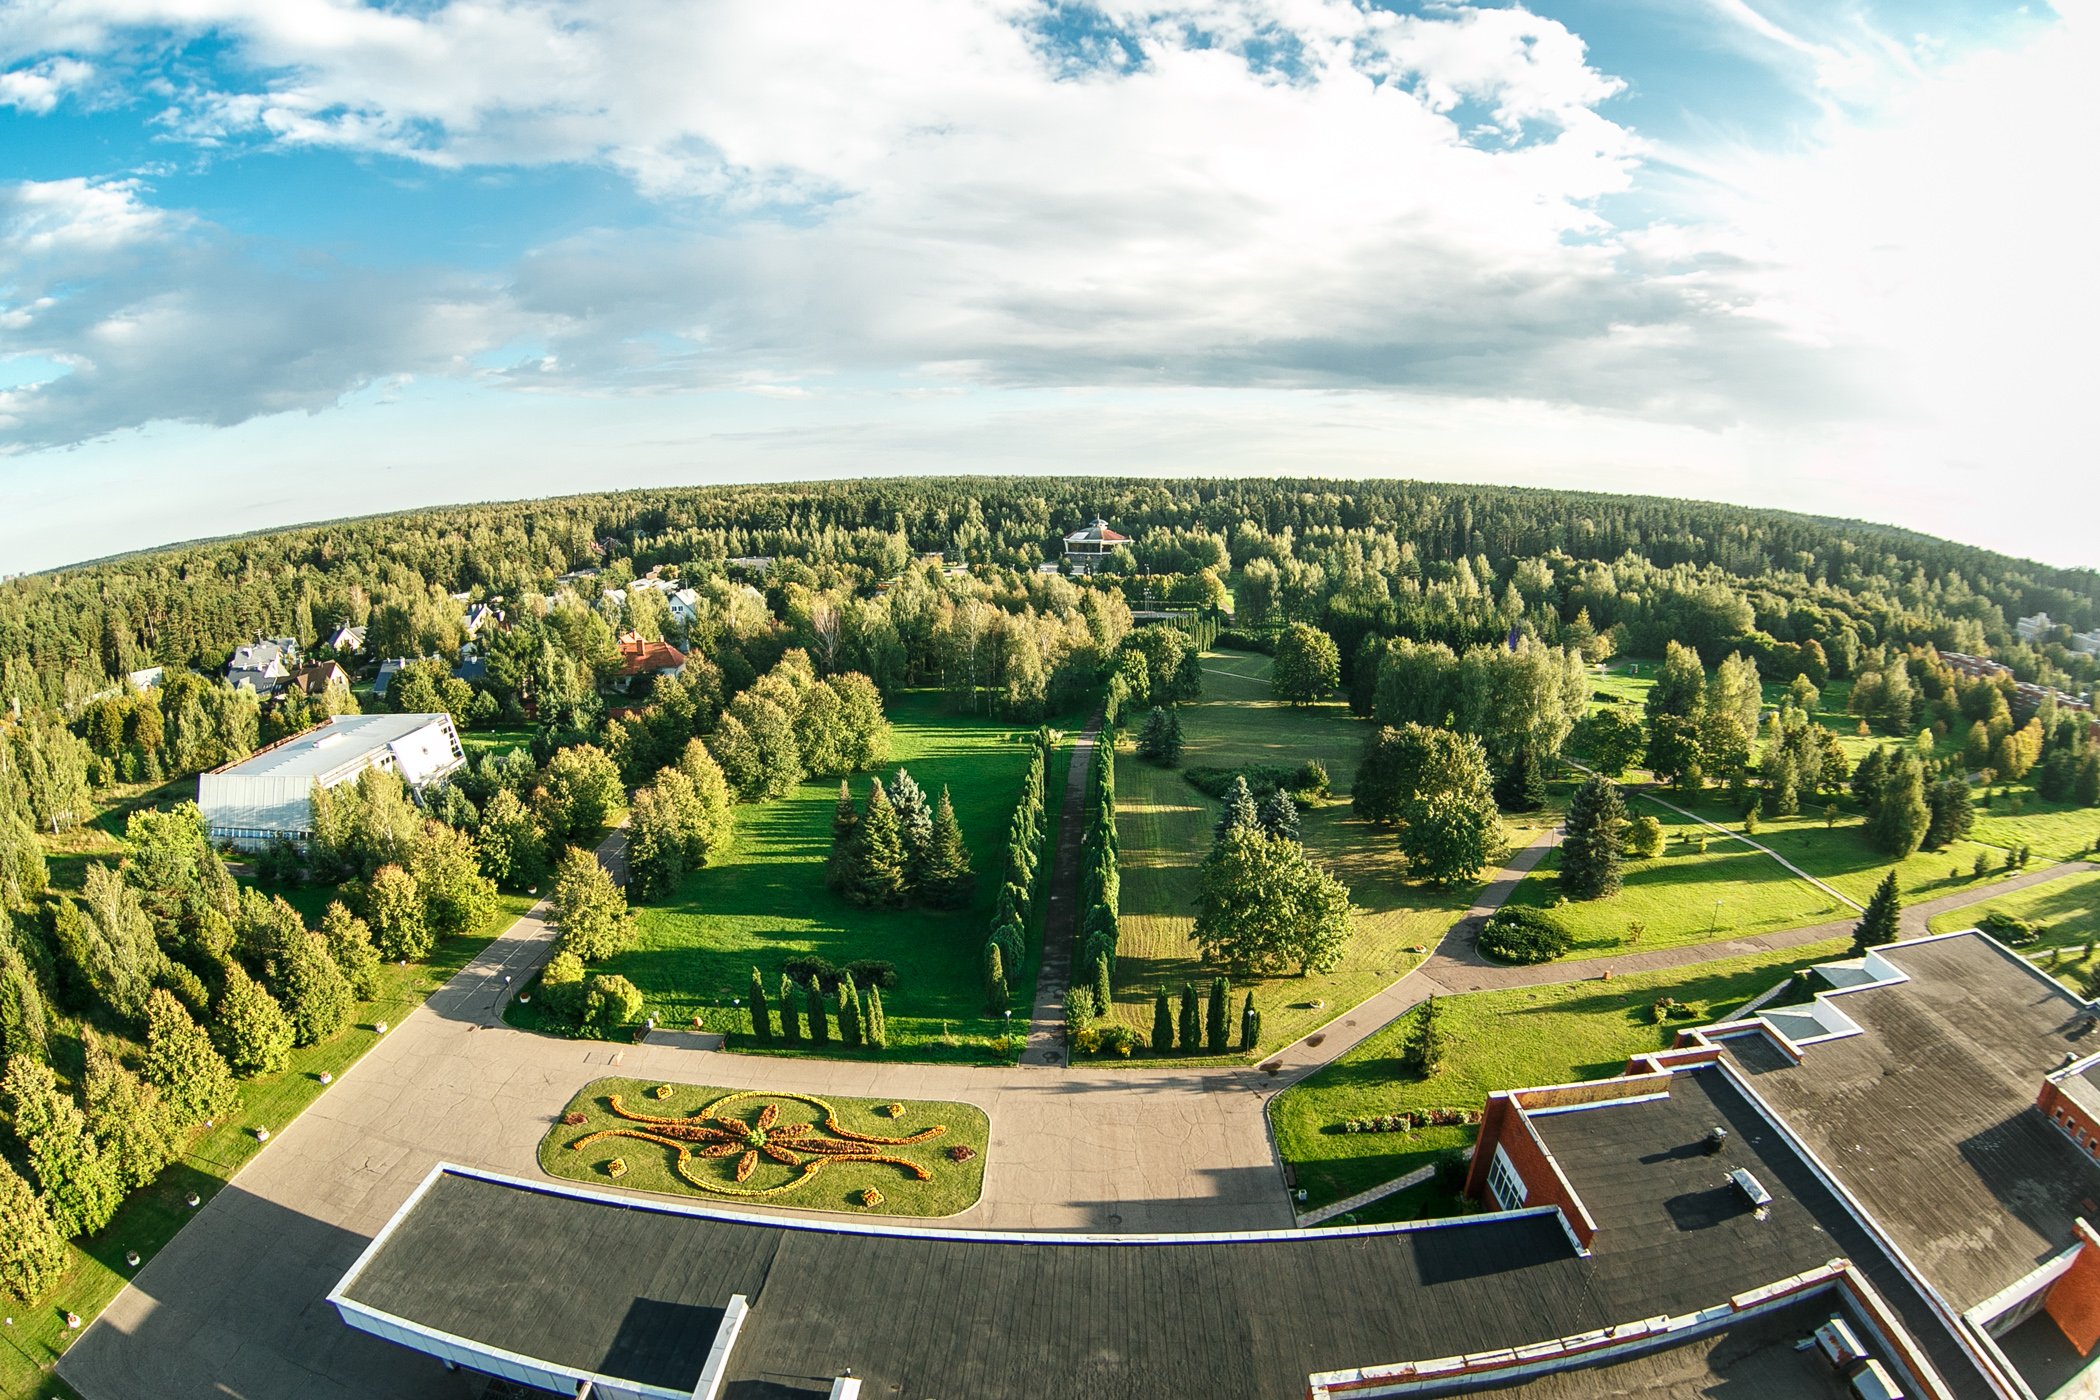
(1497, 1040)
(2068, 909)
(1165, 827)
(951, 1185)
(1685, 895)
(1841, 853)
(763, 900)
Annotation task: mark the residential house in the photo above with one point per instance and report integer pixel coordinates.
(262, 666)
(1086, 548)
(483, 615)
(347, 640)
(642, 661)
(388, 669)
(316, 678)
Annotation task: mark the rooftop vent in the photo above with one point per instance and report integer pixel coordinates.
(1716, 1138)
(1871, 1381)
(1753, 1190)
(1838, 1343)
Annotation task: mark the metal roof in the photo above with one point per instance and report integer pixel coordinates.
(321, 751)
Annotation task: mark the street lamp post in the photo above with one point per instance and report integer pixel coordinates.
(1715, 921)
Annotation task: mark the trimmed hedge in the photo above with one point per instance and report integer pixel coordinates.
(1516, 934)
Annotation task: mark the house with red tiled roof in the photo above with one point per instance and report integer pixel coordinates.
(1086, 548)
(643, 661)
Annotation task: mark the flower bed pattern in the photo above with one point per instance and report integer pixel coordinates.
(735, 1143)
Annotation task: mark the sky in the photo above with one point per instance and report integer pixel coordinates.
(268, 261)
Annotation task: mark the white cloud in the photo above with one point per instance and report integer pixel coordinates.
(37, 88)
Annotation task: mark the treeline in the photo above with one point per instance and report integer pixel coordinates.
(1350, 557)
(1006, 947)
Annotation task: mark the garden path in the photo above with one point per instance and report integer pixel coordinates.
(1836, 894)
(1046, 1019)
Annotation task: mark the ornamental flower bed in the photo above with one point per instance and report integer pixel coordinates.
(763, 1145)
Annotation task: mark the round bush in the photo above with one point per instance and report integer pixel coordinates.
(1521, 935)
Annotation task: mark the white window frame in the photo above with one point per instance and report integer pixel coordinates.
(1505, 1183)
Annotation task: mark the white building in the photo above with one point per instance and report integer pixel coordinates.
(270, 794)
(2033, 629)
(1085, 549)
(2086, 643)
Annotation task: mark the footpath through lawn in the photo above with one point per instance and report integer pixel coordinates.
(763, 900)
(1165, 825)
(1497, 1040)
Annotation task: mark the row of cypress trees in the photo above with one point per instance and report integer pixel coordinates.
(1201, 1028)
(860, 1019)
(1007, 945)
(1100, 883)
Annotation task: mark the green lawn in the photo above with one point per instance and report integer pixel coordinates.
(1498, 1040)
(1844, 856)
(1165, 827)
(2055, 830)
(497, 740)
(96, 1270)
(763, 899)
(950, 1186)
(2070, 909)
(1682, 896)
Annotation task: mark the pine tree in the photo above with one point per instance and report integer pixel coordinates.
(790, 1014)
(1104, 987)
(1589, 853)
(877, 872)
(1881, 921)
(1191, 1020)
(1239, 812)
(1279, 816)
(79, 1182)
(127, 1116)
(813, 1006)
(996, 995)
(1216, 1028)
(850, 1017)
(948, 881)
(761, 1013)
(249, 1027)
(1250, 1025)
(1423, 1051)
(32, 1248)
(878, 1024)
(181, 1062)
(845, 828)
(1162, 1024)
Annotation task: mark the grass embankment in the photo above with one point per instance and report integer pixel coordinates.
(1165, 825)
(1685, 895)
(95, 1270)
(1498, 1040)
(763, 900)
(652, 1166)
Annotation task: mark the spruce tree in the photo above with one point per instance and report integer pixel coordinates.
(1867, 780)
(135, 1127)
(1902, 817)
(790, 1014)
(850, 1019)
(79, 1182)
(1953, 812)
(1521, 787)
(1250, 1025)
(948, 881)
(877, 871)
(996, 995)
(1881, 921)
(249, 1027)
(878, 1030)
(761, 1013)
(1216, 1028)
(1423, 1052)
(845, 826)
(1239, 811)
(1104, 987)
(1589, 853)
(182, 1063)
(1191, 1020)
(813, 1005)
(32, 1248)
(1279, 815)
(914, 829)
(1162, 1024)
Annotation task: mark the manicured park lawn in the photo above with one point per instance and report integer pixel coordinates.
(763, 900)
(2068, 908)
(1842, 855)
(1684, 895)
(2054, 830)
(96, 1272)
(950, 1185)
(1165, 827)
(1498, 1040)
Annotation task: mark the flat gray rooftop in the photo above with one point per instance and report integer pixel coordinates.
(321, 751)
(1928, 1116)
(625, 1287)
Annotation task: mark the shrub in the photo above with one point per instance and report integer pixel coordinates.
(1311, 779)
(610, 1001)
(2010, 929)
(1263, 779)
(1524, 935)
(1231, 639)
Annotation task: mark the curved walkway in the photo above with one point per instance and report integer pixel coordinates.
(235, 1303)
